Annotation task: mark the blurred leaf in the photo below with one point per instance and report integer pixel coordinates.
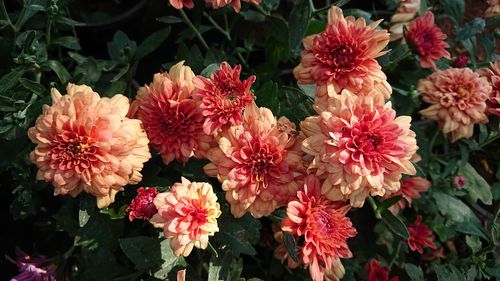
(144, 252)
(291, 246)
(151, 43)
(169, 19)
(308, 89)
(61, 71)
(294, 104)
(470, 29)
(87, 208)
(298, 23)
(474, 243)
(395, 224)
(447, 272)
(476, 186)
(238, 242)
(67, 21)
(120, 74)
(69, 42)
(169, 260)
(488, 42)
(454, 9)
(9, 80)
(357, 13)
(209, 70)
(267, 96)
(414, 272)
(33, 86)
(121, 49)
(384, 205)
(218, 267)
(253, 16)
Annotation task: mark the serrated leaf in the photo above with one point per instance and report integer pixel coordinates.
(298, 23)
(454, 8)
(218, 267)
(152, 42)
(414, 272)
(470, 29)
(395, 224)
(473, 242)
(169, 260)
(476, 186)
(447, 273)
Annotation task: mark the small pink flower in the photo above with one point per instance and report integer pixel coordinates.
(460, 61)
(188, 215)
(420, 236)
(33, 269)
(223, 97)
(217, 4)
(428, 40)
(142, 206)
(179, 4)
(320, 226)
(410, 189)
(375, 272)
(459, 182)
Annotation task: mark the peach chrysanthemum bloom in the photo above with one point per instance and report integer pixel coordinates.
(410, 189)
(85, 143)
(360, 147)
(256, 163)
(188, 215)
(179, 4)
(223, 97)
(493, 10)
(427, 39)
(171, 117)
(406, 11)
(458, 100)
(493, 76)
(344, 56)
(217, 4)
(320, 226)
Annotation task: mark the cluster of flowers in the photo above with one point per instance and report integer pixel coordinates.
(216, 4)
(353, 148)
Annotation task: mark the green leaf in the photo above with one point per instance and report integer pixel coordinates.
(395, 224)
(384, 205)
(488, 42)
(61, 71)
(87, 208)
(414, 272)
(9, 80)
(474, 243)
(169, 260)
(69, 42)
(253, 16)
(358, 13)
(68, 21)
(218, 267)
(121, 49)
(169, 19)
(144, 252)
(210, 69)
(33, 86)
(308, 89)
(458, 214)
(120, 74)
(447, 273)
(298, 23)
(151, 43)
(291, 246)
(454, 9)
(470, 29)
(267, 96)
(476, 186)
(238, 242)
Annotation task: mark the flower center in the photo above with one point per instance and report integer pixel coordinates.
(73, 151)
(323, 223)
(340, 56)
(261, 160)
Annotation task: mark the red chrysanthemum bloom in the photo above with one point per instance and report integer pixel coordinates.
(410, 189)
(217, 4)
(360, 147)
(256, 163)
(428, 40)
(179, 4)
(142, 206)
(320, 226)
(85, 143)
(223, 97)
(420, 236)
(493, 76)
(458, 100)
(375, 272)
(459, 182)
(343, 57)
(460, 61)
(171, 117)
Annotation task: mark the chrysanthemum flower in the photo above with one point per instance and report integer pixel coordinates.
(458, 100)
(171, 117)
(360, 147)
(223, 97)
(85, 143)
(142, 206)
(460, 61)
(427, 39)
(406, 11)
(179, 4)
(493, 10)
(459, 182)
(188, 215)
(343, 56)
(375, 272)
(256, 163)
(321, 228)
(33, 269)
(420, 236)
(217, 4)
(410, 189)
(493, 76)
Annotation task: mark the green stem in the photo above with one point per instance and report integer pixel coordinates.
(5, 15)
(217, 26)
(396, 254)
(212, 249)
(261, 10)
(195, 30)
(48, 32)
(402, 57)
(311, 6)
(374, 206)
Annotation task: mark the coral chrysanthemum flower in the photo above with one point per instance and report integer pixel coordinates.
(410, 189)
(493, 76)
(256, 163)
(343, 56)
(493, 10)
(458, 100)
(420, 236)
(171, 117)
(142, 206)
(375, 272)
(223, 97)
(427, 39)
(85, 143)
(360, 147)
(216, 4)
(188, 215)
(320, 226)
(179, 4)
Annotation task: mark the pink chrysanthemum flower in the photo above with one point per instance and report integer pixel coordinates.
(256, 163)
(188, 215)
(171, 117)
(493, 76)
(460, 61)
(458, 100)
(375, 272)
(142, 206)
(217, 4)
(34, 269)
(406, 11)
(360, 147)
(343, 56)
(420, 236)
(223, 97)
(179, 4)
(459, 182)
(320, 226)
(410, 189)
(85, 143)
(428, 40)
